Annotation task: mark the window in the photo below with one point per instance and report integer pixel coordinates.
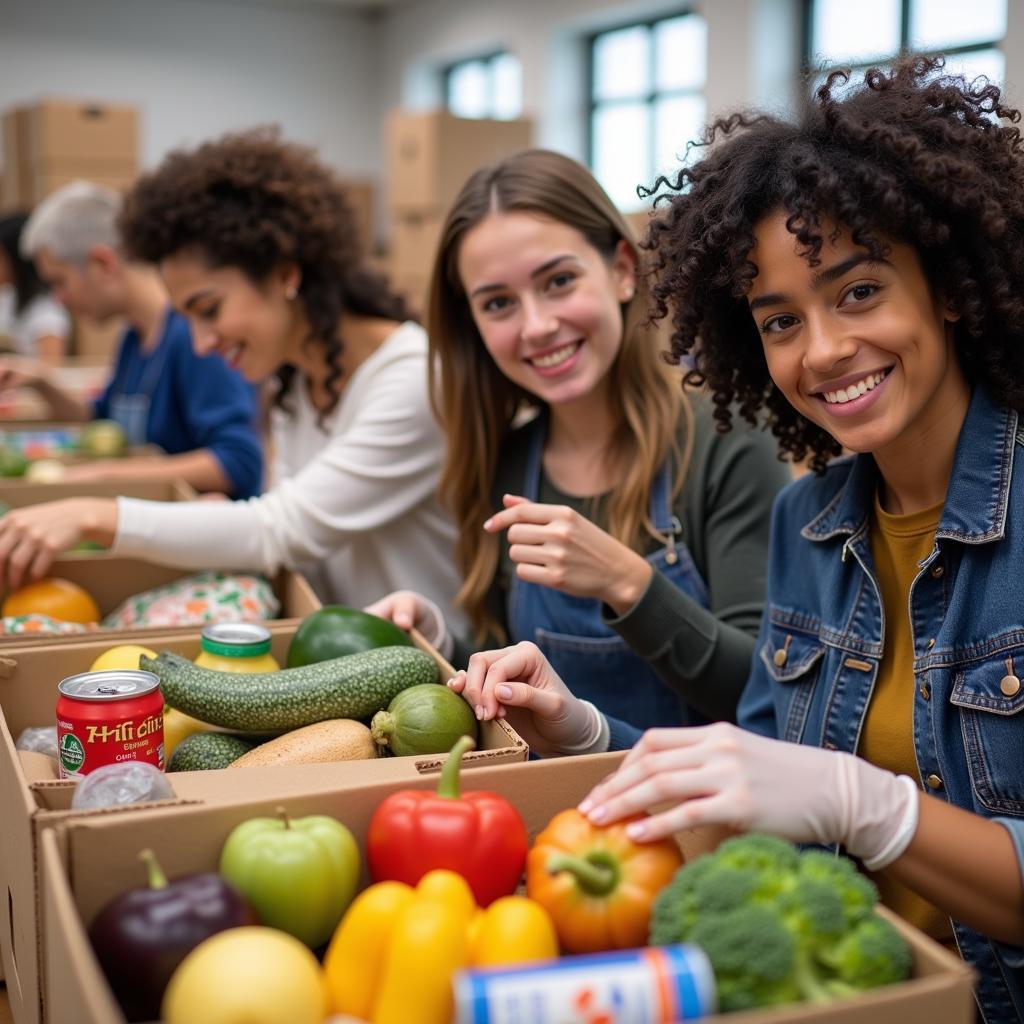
(869, 31)
(485, 87)
(646, 101)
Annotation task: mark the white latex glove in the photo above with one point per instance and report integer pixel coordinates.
(407, 610)
(720, 775)
(519, 684)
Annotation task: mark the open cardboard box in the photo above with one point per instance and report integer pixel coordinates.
(33, 799)
(87, 862)
(111, 579)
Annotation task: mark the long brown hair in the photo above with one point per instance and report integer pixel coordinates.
(477, 404)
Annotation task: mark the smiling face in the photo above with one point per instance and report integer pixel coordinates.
(862, 348)
(253, 327)
(546, 303)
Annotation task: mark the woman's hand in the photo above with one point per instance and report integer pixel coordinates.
(409, 610)
(557, 547)
(519, 684)
(720, 775)
(31, 538)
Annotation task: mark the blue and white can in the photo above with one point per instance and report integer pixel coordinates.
(655, 985)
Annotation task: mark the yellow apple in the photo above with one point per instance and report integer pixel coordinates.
(255, 975)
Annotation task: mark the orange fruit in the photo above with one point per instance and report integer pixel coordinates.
(52, 596)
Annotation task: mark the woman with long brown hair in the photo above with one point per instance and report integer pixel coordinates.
(600, 514)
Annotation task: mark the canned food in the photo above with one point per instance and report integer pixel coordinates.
(108, 718)
(657, 985)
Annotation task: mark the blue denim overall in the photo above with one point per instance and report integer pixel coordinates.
(592, 659)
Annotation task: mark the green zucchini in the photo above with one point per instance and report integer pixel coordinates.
(425, 719)
(353, 686)
(203, 751)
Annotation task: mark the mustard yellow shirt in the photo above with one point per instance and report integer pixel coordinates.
(898, 544)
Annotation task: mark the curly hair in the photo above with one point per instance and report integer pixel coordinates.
(250, 201)
(914, 156)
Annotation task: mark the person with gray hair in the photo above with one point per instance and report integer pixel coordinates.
(196, 408)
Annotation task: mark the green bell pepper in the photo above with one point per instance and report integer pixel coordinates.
(300, 876)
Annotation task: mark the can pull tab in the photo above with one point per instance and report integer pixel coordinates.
(674, 529)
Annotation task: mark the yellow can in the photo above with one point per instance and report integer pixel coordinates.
(236, 647)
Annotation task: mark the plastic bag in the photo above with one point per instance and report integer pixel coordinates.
(133, 782)
(196, 600)
(40, 740)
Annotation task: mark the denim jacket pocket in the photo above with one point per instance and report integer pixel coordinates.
(792, 659)
(990, 697)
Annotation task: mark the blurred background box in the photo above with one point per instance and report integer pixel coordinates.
(429, 156)
(52, 142)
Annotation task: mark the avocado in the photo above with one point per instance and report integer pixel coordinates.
(334, 630)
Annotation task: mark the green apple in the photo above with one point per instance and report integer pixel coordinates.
(256, 975)
(103, 439)
(300, 876)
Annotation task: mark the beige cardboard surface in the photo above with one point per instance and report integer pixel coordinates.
(32, 800)
(111, 579)
(79, 130)
(18, 493)
(429, 156)
(87, 862)
(415, 239)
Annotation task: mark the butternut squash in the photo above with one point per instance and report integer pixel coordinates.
(337, 739)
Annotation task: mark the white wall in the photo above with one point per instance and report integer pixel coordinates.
(201, 67)
(753, 45)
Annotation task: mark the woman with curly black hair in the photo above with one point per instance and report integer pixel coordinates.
(259, 248)
(858, 277)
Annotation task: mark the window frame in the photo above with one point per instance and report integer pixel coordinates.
(654, 94)
(486, 58)
(812, 70)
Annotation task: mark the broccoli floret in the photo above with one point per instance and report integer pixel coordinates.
(872, 954)
(857, 893)
(779, 925)
(752, 955)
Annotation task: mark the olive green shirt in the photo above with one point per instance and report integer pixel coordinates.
(724, 507)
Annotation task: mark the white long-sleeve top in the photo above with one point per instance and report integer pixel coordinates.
(353, 504)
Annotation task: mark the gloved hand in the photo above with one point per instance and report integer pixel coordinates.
(518, 683)
(721, 775)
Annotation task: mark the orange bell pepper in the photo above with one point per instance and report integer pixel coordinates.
(596, 883)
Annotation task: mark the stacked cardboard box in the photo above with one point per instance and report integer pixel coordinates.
(52, 142)
(429, 157)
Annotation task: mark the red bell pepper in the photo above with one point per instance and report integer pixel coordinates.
(480, 835)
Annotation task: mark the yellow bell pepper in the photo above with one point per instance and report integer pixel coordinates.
(512, 930)
(355, 958)
(392, 958)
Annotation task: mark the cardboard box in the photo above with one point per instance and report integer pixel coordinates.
(17, 493)
(78, 130)
(32, 799)
(111, 579)
(429, 156)
(415, 239)
(52, 142)
(87, 862)
(52, 175)
(414, 287)
(362, 197)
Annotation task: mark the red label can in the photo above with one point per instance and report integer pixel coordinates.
(109, 718)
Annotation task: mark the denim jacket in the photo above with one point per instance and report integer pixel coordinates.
(823, 632)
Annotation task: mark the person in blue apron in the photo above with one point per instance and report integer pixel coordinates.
(603, 518)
